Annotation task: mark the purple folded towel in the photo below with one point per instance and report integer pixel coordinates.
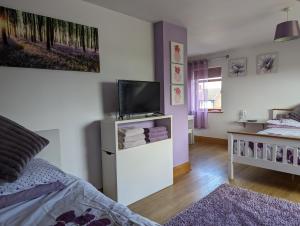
(156, 134)
(155, 129)
(150, 140)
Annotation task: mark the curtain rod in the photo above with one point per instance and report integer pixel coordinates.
(211, 58)
(217, 57)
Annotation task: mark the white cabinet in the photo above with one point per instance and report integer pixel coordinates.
(134, 173)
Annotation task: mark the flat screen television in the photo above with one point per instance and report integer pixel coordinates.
(138, 97)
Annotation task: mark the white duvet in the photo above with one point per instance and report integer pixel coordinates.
(285, 123)
(290, 132)
(79, 199)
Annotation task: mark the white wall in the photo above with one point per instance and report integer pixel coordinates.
(73, 102)
(257, 94)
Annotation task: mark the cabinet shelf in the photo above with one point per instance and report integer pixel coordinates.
(147, 144)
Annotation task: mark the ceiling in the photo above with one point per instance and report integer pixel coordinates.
(213, 25)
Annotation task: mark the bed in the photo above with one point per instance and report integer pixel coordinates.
(275, 148)
(70, 200)
(79, 203)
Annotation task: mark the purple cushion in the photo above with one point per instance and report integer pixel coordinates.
(18, 146)
(295, 116)
(32, 193)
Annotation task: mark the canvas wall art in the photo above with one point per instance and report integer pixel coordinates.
(237, 67)
(177, 74)
(267, 63)
(177, 94)
(34, 41)
(177, 53)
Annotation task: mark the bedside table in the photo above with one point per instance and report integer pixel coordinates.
(257, 122)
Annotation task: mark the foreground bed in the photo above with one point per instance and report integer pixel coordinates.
(78, 203)
(276, 148)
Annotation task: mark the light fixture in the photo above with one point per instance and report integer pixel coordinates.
(288, 30)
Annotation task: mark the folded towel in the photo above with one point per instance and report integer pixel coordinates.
(155, 129)
(150, 140)
(131, 138)
(156, 134)
(125, 145)
(130, 131)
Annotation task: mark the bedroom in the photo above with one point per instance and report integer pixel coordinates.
(75, 102)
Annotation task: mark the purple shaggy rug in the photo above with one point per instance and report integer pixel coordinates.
(229, 205)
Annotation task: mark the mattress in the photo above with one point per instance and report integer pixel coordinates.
(289, 132)
(78, 204)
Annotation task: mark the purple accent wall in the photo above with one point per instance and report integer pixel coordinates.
(164, 33)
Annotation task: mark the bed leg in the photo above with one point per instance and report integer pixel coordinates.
(230, 171)
(230, 157)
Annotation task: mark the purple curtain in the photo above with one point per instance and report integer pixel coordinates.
(197, 94)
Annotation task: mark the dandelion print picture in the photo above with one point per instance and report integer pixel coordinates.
(177, 74)
(267, 63)
(34, 41)
(177, 53)
(177, 94)
(237, 67)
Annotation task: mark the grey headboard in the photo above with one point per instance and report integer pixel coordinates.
(52, 152)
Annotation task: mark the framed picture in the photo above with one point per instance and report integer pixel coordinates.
(267, 63)
(237, 67)
(177, 74)
(33, 41)
(177, 94)
(177, 53)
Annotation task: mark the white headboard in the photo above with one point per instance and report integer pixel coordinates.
(52, 152)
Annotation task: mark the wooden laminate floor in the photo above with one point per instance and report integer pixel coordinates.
(209, 170)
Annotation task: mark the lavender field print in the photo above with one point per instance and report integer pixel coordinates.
(34, 41)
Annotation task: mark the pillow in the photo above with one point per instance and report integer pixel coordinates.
(295, 114)
(37, 172)
(18, 146)
(282, 116)
(284, 123)
(29, 194)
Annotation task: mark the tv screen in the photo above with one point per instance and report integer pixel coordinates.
(138, 97)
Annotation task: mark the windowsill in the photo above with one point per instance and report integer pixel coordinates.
(215, 111)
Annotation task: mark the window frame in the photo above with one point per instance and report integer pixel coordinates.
(213, 79)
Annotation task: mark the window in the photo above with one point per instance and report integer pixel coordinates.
(213, 88)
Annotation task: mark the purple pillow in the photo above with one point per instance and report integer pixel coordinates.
(18, 146)
(29, 194)
(295, 116)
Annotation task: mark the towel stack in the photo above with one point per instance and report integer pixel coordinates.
(131, 137)
(156, 134)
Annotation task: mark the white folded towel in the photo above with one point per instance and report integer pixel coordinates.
(125, 145)
(130, 131)
(131, 138)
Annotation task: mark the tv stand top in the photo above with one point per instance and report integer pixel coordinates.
(139, 119)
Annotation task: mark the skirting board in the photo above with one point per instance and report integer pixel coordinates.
(211, 140)
(182, 169)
